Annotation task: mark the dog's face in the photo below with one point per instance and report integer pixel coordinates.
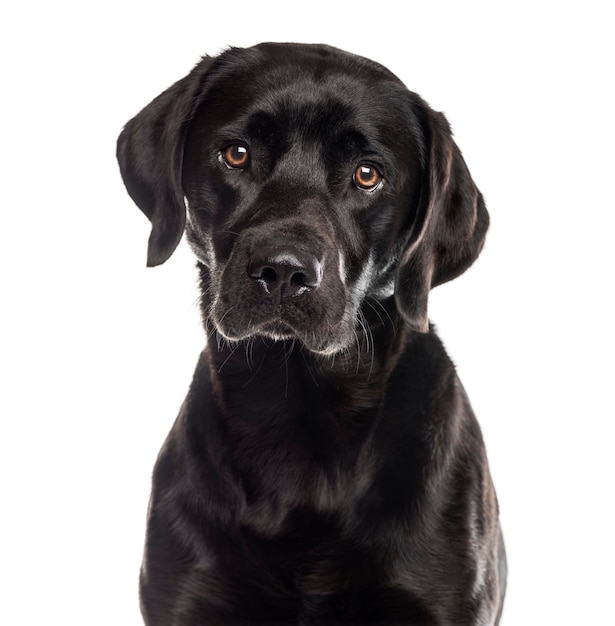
(299, 184)
(313, 181)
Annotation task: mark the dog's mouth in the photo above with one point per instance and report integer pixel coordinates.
(319, 339)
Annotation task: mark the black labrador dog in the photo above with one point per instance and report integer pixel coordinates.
(326, 466)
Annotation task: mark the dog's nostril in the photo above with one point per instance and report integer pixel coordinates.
(268, 274)
(298, 280)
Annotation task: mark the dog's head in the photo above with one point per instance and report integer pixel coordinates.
(312, 180)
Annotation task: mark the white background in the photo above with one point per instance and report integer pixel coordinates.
(97, 351)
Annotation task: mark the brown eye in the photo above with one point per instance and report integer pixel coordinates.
(367, 177)
(236, 156)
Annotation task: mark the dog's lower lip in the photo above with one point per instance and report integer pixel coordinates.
(271, 328)
(280, 331)
(276, 328)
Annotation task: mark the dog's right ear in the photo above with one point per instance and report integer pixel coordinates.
(150, 153)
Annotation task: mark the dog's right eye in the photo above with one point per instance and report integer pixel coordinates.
(235, 156)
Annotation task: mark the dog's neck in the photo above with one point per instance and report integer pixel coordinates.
(264, 405)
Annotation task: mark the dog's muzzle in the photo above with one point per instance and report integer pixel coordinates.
(283, 289)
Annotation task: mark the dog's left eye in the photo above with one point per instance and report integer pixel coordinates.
(235, 156)
(367, 177)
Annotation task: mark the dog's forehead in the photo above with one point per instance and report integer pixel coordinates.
(303, 81)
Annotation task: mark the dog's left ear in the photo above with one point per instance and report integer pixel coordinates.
(449, 228)
(150, 153)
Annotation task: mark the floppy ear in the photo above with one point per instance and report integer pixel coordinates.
(449, 229)
(150, 153)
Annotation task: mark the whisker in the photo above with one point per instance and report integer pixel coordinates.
(308, 367)
(369, 302)
(233, 350)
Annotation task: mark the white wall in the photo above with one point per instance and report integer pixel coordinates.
(97, 351)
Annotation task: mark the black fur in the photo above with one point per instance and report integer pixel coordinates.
(326, 466)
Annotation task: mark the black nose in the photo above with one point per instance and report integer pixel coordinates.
(285, 271)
